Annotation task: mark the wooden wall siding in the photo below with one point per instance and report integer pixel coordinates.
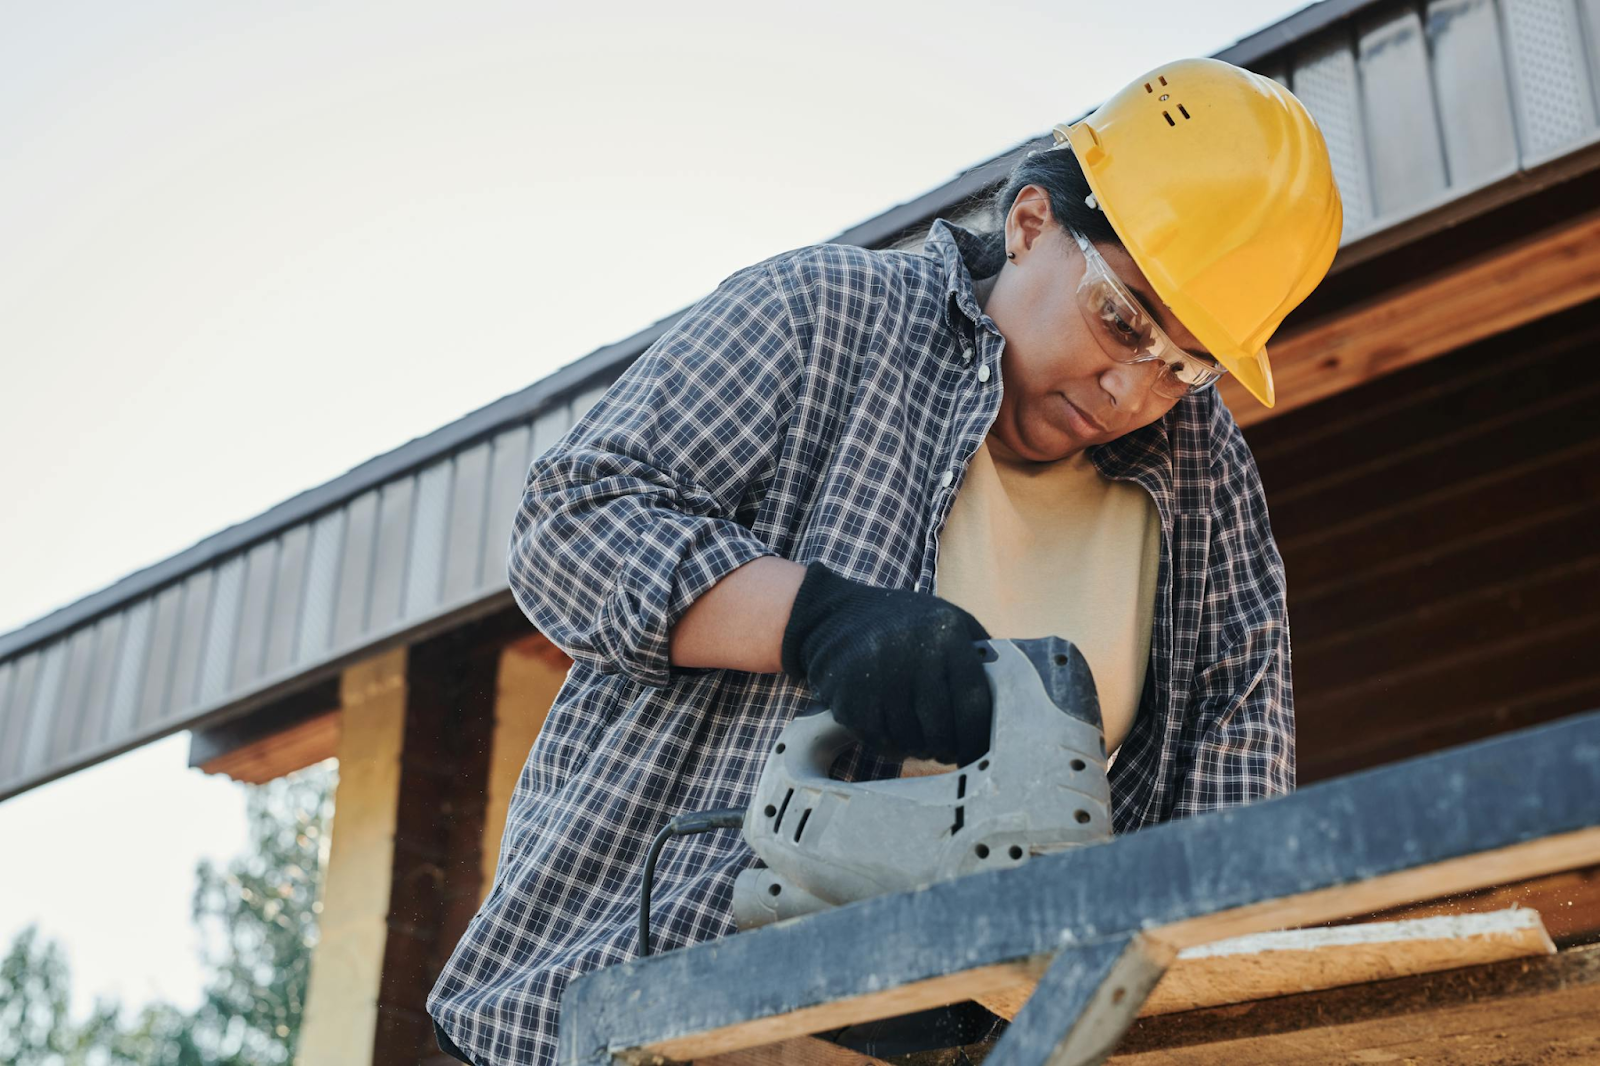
(1422, 104)
(1441, 533)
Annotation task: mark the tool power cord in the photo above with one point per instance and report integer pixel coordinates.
(682, 825)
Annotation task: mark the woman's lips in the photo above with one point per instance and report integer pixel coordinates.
(1082, 424)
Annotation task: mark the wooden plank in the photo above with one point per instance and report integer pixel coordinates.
(889, 1003)
(281, 753)
(529, 679)
(801, 1051)
(1568, 904)
(1465, 683)
(1510, 554)
(1349, 846)
(1546, 273)
(1441, 497)
(1479, 617)
(1263, 965)
(1534, 1010)
(1520, 712)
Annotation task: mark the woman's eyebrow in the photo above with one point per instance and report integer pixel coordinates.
(1148, 302)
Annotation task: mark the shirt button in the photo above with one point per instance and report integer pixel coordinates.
(983, 372)
(945, 478)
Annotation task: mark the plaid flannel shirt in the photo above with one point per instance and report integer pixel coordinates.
(819, 405)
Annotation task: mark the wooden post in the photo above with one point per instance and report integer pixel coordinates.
(438, 839)
(531, 673)
(342, 1000)
(407, 866)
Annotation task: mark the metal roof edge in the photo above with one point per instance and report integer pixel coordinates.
(415, 453)
(1304, 23)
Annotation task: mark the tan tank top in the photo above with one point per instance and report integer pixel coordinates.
(1055, 549)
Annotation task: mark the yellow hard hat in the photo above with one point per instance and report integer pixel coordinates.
(1218, 182)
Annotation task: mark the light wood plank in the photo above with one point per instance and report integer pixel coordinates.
(282, 753)
(802, 1051)
(888, 1003)
(1538, 1010)
(1263, 965)
(1567, 902)
(1543, 274)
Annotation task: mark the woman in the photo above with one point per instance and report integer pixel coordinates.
(761, 509)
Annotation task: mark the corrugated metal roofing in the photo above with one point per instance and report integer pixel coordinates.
(1421, 105)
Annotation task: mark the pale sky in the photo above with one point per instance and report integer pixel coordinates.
(247, 246)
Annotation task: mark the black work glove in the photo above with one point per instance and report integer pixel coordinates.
(896, 668)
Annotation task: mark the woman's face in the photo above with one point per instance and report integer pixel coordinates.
(1062, 392)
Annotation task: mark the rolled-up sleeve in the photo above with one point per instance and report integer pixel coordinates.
(628, 519)
(1245, 750)
(1242, 702)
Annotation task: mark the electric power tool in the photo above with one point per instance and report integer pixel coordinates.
(1041, 787)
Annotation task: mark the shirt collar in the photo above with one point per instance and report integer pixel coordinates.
(966, 256)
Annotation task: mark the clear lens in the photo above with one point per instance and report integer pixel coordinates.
(1128, 333)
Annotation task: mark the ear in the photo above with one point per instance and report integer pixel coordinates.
(1030, 219)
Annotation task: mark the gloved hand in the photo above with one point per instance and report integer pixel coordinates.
(897, 668)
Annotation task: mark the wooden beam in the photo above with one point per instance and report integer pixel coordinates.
(278, 754)
(1263, 965)
(286, 735)
(801, 1051)
(1347, 846)
(341, 1011)
(438, 833)
(1568, 903)
(1534, 1010)
(1540, 275)
(531, 673)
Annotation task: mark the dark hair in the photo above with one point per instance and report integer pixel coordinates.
(1058, 173)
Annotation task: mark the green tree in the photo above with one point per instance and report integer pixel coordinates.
(258, 921)
(34, 996)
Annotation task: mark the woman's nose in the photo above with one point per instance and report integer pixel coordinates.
(1129, 384)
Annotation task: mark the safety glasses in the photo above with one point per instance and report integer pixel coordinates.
(1129, 334)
